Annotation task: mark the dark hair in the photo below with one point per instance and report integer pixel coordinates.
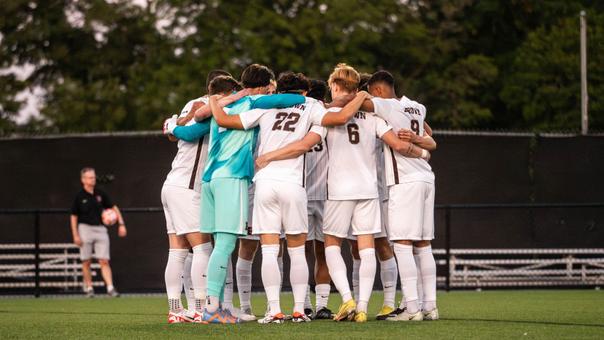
(215, 73)
(223, 84)
(292, 82)
(383, 77)
(364, 80)
(256, 75)
(318, 89)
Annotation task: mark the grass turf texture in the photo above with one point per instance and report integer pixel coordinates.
(526, 314)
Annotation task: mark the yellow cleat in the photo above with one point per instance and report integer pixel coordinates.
(384, 313)
(360, 317)
(346, 311)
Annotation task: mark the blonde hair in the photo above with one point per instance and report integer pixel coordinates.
(345, 76)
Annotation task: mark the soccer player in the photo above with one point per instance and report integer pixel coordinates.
(351, 148)
(89, 232)
(280, 198)
(181, 202)
(226, 178)
(411, 203)
(316, 182)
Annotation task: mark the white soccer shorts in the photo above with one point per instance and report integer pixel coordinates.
(181, 208)
(362, 216)
(384, 219)
(411, 211)
(315, 220)
(279, 205)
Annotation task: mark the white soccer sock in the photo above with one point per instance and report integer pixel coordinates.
(408, 273)
(367, 271)
(427, 267)
(244, 282)
(322, 295)
(187, 283)
(271, 278)
(337, 271)
(199, 268)
(356, 264)
(227, 303)
(280, 263)
(172, 275)
(298, 276)
(420, 290)
(307, 302)
(389, 275)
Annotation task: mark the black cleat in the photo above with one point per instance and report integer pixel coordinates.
(396, 312)
(323, 314)
(308, 312)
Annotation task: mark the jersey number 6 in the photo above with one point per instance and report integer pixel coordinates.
(353, 133)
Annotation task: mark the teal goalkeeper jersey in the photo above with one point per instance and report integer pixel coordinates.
(231, 153)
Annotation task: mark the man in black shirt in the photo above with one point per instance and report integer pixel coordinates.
(89, 232)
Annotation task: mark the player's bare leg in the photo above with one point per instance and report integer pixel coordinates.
(87, 278)
(408, 273)
(322, 280)
(179, 250)
(367, 269)
(427, 271)
(202, 249)
(388, 275)
(108, 277)
(271, 278)
(298, 274)
(245, 259)
(337, 272)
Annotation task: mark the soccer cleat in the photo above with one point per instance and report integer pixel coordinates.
(360, 317)
(346, 311)
(198, 317)
(189, 314)
(309, 312)
(244, 315)
(219, 316)
(384, 313)
(431, 315)
(113, 293)
(406, 316)
(299, 317)
(89, 292)
(178, 317)
(323, 314)
(396, 312)
(277, 318)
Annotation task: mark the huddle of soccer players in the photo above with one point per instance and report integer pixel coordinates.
(317, 171)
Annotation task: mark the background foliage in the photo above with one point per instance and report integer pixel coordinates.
(116, 65)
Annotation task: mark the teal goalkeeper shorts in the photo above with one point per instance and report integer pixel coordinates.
(224, 206)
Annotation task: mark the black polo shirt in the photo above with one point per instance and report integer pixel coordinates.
(89, 207)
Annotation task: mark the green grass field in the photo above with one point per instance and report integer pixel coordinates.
(525, 314)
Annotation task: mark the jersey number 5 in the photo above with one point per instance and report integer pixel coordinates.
(285, 121)
(353, 133)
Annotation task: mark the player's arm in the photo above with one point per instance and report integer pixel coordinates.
(190, 114)
(74, 230)
(121, 231)
(278, 101)
(341, 101)
(344, 115)
(425, 142)
(405, 148)
(222, 119)
(205, 111)
(291, 150)
(427, 129)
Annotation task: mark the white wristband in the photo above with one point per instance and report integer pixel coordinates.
(424, 154)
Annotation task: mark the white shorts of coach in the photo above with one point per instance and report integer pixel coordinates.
(279, 206)
(384, 219)
(360, 216)
(182, 209)
(411, 211)
(315, 220)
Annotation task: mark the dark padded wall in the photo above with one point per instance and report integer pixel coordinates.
(44, 173)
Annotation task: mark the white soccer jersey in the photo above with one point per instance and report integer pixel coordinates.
(381, 176)
(316, 172)
(403, 114)
(280, 127)
(352, 171)
(190, 158)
